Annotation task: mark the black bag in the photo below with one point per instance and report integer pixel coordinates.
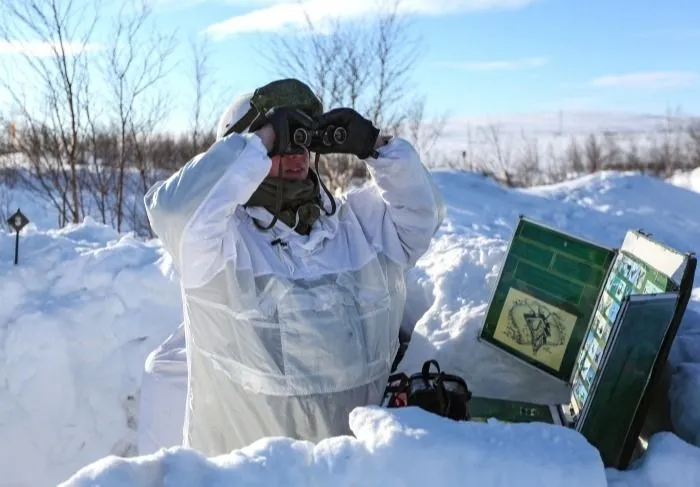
(437, 392)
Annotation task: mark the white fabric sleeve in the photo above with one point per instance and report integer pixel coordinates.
(189, 211)
(400, 209)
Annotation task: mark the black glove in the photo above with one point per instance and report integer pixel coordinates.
(361, 133)
(284, 120)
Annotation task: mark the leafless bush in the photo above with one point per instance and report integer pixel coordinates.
(499, 161)
(693, 144)
(7, 182)
(468, 157)
(423, 134)
(530, 161)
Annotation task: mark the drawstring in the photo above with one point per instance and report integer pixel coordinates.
(325, 189)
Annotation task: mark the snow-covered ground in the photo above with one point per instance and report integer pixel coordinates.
(86, 305)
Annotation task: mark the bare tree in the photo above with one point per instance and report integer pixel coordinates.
(499, 163)
(558, 168)
(574, 158)
(8, 180)
(364, 65)
(595, 155)
(206, 95)
(614, 154)
(530, 163)
(468, 159)
(102, 149)
(693, 145)
(422, 133)
(55, 39)
(136, 61)
(633, 157)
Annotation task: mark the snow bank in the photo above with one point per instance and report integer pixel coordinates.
(669, 462)
(689, 180)
(79, 314)
(402, 448)
(684, 371)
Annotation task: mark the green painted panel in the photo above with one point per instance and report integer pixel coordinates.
(544, 279)
(534, 254)
(618, 388)
(577, 270)
(484, 408)
(545, 297)
(567, 244)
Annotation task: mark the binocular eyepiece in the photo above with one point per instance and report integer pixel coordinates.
(329, 136)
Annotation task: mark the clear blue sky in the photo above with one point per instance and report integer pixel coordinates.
(510, 56)
(640, 56)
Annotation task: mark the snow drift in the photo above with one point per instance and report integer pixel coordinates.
(401, 448)
(86, 305)
(80, 313)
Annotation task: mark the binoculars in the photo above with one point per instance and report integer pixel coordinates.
(327, 137)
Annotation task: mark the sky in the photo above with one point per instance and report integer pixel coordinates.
(479, 57)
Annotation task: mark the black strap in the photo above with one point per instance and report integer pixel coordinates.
(426, 367)
(425, 372)
(442, 395)
(439, 387)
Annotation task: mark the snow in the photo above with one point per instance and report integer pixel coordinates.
(406, 447)
(86, 305)
(80, 312)
(687, 179)
(668, 463)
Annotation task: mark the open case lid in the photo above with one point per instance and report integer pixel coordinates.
(644, 273)
(545, 297)
(552, 286)
(610, 407)
(666, 260)
(680, 267)
(555, 291)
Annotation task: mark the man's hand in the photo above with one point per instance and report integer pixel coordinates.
(283, 121)
(362, 134)
(267, 135)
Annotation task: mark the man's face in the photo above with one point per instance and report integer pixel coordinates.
(294, 166)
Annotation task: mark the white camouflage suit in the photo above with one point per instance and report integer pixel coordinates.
(287, 340)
